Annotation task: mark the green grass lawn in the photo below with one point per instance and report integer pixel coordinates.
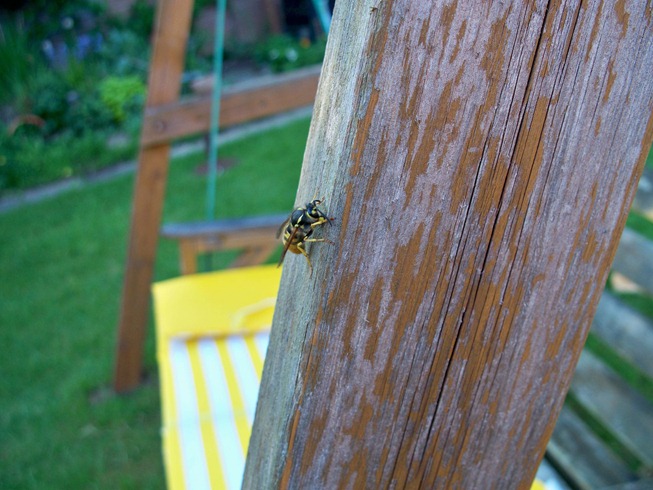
(61, 265)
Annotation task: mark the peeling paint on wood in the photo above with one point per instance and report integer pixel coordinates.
(480, 161)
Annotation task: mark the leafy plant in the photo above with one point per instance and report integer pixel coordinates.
(124, 53)
(20, 65)
(27, 159)
(119, 93)
(284, 53)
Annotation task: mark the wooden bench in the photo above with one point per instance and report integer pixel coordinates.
(254, 236)
(604, 436)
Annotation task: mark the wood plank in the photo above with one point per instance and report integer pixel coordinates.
(187, 256)
(258, 98)
(623, 410)
(228, 225)
(633, 259)
(256, 235)
(628, 332)
(168, 54)
(213, 243)
(254, 251)
(254, 255)
(480, 173)
(581, 457)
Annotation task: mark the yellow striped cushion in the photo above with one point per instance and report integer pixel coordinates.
(212, 334)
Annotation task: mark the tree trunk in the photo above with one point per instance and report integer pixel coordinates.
(480, 160)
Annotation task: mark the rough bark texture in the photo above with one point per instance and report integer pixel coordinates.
(480, 160)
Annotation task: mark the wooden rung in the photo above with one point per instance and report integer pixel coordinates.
(256, 235)
(254, 255)
(262, 97)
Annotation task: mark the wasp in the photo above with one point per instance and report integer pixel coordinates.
(299, 226)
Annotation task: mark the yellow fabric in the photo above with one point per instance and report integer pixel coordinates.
(219, 303)
(211, 331)
(210, 445)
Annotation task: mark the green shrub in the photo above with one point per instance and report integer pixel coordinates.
(119, 94)
(284, 53)
(20, 63)
(65, 108)
(124, 53)
(27, 159)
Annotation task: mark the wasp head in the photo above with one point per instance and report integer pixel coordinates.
(312, 209)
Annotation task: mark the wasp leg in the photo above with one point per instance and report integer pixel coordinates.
(322, 221)
(319, 222)
(318, 240)
(300, 247)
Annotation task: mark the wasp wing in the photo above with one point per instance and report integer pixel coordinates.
(283, 226)
(287, 244)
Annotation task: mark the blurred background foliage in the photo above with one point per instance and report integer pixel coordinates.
(74, 73)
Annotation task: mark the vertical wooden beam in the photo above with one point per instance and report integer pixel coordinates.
(166, 66)
(480, 160)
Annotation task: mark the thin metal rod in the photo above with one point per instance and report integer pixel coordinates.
(218, 51)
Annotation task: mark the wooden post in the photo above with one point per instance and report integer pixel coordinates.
(166, 66)
(480, 160)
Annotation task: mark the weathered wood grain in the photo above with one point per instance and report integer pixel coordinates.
(166, 65)
(574, 448)
(480, 161)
